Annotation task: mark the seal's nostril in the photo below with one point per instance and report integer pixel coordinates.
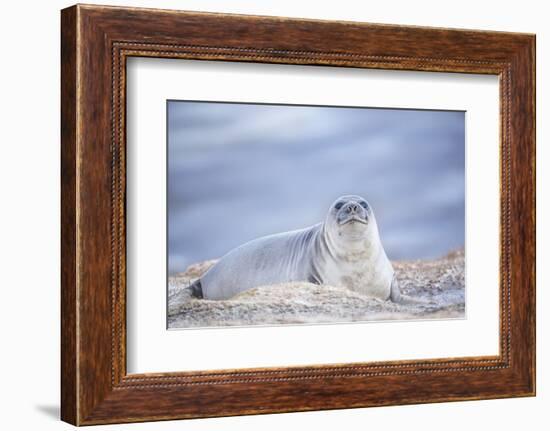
(352, 208)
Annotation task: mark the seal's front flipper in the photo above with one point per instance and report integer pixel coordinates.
(196, 289)
(399, 298)
(313, 280)
(395, 293)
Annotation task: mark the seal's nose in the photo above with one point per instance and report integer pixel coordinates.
(352, 208)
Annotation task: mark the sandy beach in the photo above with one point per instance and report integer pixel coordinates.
(433, 289)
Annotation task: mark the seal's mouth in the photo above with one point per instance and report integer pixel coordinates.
(353, 219)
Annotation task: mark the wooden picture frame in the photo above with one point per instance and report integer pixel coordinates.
(95, 43)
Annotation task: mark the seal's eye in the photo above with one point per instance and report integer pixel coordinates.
(363, 204)
(339, 205)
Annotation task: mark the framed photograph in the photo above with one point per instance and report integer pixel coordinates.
(271, 161)
(264, 214)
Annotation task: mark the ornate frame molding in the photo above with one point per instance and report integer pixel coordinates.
(96, 41)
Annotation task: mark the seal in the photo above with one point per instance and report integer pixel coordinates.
(345, 250)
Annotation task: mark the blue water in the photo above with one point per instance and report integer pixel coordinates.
(240, 171)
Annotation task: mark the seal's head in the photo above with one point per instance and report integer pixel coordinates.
(350, 217)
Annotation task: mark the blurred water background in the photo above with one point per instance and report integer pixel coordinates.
(240, 171)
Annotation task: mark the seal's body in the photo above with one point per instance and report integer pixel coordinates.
(345, 251)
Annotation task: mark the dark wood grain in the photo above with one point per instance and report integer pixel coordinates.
(96, 41)
(69, 397)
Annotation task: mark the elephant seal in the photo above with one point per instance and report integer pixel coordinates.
(345, 251)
